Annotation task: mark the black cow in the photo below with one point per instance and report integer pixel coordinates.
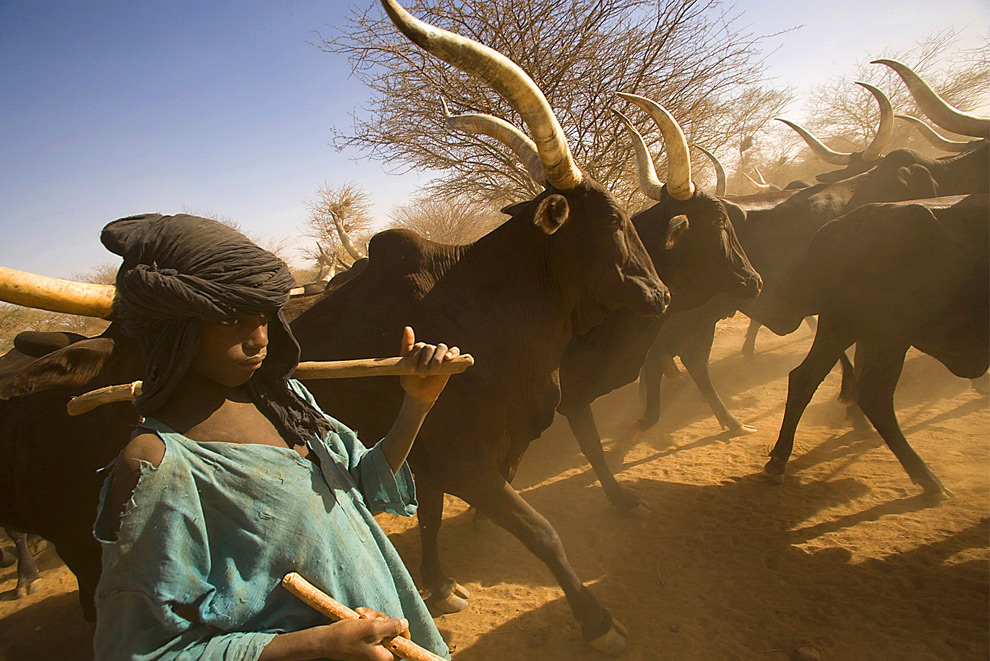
(49, 475)
(775, 228)
(888, 277)
(696, 261)
(513, 299)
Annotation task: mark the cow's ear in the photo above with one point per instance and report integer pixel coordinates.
(675, 230)
(917, 180)
(513, 209)
(71, 367)
(552, 213)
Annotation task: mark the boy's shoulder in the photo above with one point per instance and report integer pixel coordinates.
(144, 446)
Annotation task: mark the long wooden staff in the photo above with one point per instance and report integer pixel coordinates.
(336, 611)
(333, 369)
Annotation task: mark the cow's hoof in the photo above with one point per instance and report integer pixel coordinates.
(935, 491)
(647, 421)
(455, 602)
(774, 470)
(22, 591)
(739, 430)
(624, 501)
(613, 642)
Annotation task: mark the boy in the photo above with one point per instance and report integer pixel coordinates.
(235, 477)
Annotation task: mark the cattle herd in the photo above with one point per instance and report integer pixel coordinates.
(569, 299)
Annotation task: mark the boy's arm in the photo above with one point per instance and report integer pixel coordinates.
(422, 390)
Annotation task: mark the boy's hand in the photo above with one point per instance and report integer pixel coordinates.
(425, 384)
(358, 640)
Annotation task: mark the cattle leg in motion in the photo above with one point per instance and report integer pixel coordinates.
(889, 277)
(27, 570)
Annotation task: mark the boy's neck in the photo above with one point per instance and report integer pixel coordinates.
(197, 398)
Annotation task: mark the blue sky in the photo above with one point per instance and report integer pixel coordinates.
(110, 108)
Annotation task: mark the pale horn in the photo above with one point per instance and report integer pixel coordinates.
(884, 129)
(932, 136)
(42, 292)
(504, 132)
(508, 79)
(649, 183)
(760, 185)
(872, 151)
(719, 171)
(935, 107)
(817, 146)
(679, 183)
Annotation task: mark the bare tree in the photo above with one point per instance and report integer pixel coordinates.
(278, 246)
(845, 116)
(451, 221)
(685, 54)
(347, 206)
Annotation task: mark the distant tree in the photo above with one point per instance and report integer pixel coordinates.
(688, 55)
(451, 221)
(344, 204)
(845, 112)
(845, 116)
(278, 246)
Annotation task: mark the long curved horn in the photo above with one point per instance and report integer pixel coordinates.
(933, 137)
(42, 292)
(679, 182)
(760, 185)
(817, 146)
(510, 81)
(345, 239)
(504, 132)
(935, 107)
(649, 183)
(719, 171)
(884, 129)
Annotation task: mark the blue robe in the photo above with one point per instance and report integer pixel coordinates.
(195, 569)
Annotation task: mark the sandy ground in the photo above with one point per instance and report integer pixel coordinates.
(847, 557)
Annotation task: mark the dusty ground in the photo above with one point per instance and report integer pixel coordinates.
(846, 557)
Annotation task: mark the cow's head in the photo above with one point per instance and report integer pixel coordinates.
(592, 247)
(695, 249)
(688, 233)
(66, 361)
(593, 252)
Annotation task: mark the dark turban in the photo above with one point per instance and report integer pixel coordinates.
(181, 270)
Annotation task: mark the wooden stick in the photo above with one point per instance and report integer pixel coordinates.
(331, 369)
(322, 602)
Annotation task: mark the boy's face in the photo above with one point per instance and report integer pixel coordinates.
(232, 350)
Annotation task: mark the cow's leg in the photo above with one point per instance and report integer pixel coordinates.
(881, 369)
(848, 390)
(27, 570)
(652, 376)
(802, 383)
(749, 344)
(81, 554)
(582, 422)
(443, 594)
(506, 508)
(695, 358)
